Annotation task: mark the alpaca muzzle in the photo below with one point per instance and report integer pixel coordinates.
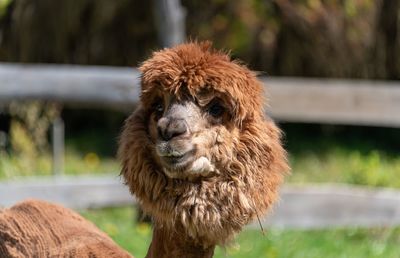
(170, 127)
(174, 146)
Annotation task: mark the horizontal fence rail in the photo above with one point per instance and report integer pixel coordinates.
(81, 85)
(78, 192)
(335, 205)
(334, 101)
(308, 206)
(352, 102)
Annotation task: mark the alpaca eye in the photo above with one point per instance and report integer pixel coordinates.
(216, 109)
(158, 107)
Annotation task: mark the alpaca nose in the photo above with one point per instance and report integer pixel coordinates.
(168, 128)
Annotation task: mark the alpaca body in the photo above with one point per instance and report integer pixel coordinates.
(36, 228)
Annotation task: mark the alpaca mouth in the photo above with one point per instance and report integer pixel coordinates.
(178, 162)
(182, 160)
(174, 159)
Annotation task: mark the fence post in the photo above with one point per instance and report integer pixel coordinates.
(58, 146)
(170, 21)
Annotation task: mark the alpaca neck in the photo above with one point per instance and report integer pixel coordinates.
(168, 243)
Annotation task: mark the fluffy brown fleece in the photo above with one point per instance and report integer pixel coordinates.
(36, 228)
(249, 160)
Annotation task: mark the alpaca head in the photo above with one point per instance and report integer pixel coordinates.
(199, 153)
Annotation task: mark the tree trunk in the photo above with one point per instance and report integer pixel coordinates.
(387, 47)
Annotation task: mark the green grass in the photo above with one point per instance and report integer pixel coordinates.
(119, 223)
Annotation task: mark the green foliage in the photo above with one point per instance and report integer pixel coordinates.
(25, 150)
(76, 163)
(343, 154)
(297, 38)
(348, 38)
(28, 148)
(30, 125)
(3, 6)
(339, 165)
(12, 166)
(119, 223)
(96, 32)
(89, 163)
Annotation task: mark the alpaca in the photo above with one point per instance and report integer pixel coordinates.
(35, 228)
(199, 153)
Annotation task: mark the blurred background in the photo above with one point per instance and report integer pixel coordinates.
(346, 43)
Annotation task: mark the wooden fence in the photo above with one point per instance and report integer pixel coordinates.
(352, 102)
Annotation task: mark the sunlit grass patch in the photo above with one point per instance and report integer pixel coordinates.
(120, 224)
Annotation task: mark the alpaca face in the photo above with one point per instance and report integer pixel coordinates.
(187, 133)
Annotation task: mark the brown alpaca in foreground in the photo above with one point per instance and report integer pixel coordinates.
(37, 229)
(199, 153)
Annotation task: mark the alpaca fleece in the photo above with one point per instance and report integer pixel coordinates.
(249, 160)
(39, 229)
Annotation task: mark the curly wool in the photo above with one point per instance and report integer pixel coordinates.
(250, 168)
